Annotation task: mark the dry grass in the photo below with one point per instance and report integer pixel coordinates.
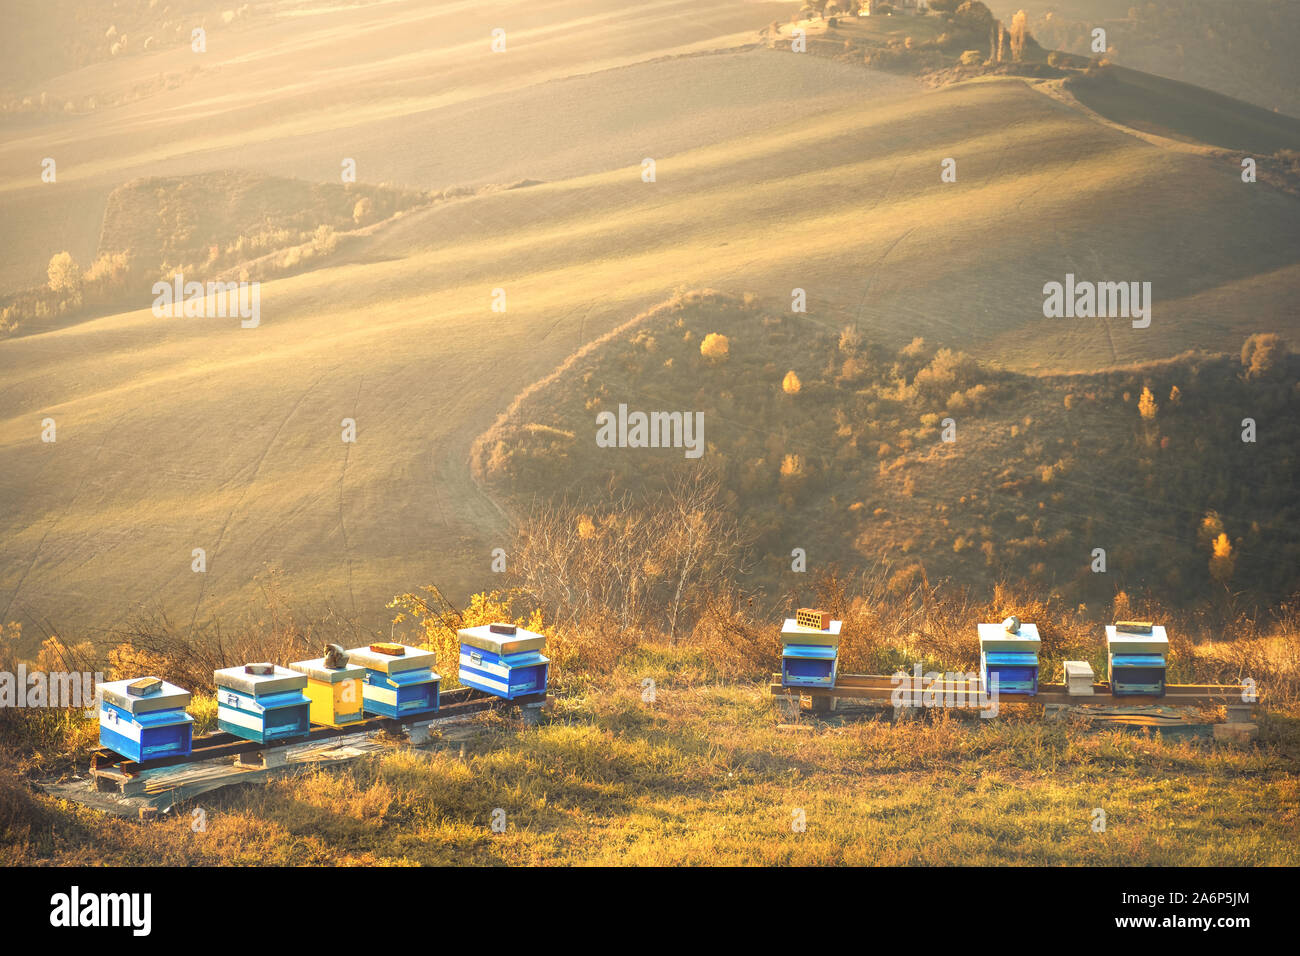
(703, 775)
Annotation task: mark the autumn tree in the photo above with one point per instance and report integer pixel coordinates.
(1262, 353)
(64, 273)
(1222, 559)
(715, 347)
(1147, 406)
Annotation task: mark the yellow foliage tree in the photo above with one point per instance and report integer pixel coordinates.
(715, 347)
(1147, 406)
(64, 273)
(1222, 560)
(791, 384)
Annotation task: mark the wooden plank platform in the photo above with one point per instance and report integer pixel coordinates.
(881, 687)
(125, 788)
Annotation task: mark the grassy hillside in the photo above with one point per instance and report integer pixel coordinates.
(213, 226)
(1242, 50)
(828, 441)
(175, 435)
(1185, 112)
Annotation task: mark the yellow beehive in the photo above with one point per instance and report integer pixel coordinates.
(334, 692)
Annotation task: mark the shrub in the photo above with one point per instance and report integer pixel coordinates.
(1261, 354)
(972, 58)
(715, 347)
(64, 273)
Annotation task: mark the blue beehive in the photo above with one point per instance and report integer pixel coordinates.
(503, 660)
(1009, 652)
(1135, 657)
(809, 654)
(262, 702)
(145, 719)
(400, 680)
(805, 665)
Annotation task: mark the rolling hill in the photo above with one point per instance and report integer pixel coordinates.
(774, 171)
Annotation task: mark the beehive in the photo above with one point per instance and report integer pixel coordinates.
(144, 719)
(1011, 656)
(397, 684)
(1136, 659)
(503, 660)
(262, 702)
(335, 692)
(809, 655)
(808, 665)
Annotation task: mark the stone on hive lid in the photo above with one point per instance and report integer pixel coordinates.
(996, 637)
(167, 697)
(144, 687)
(261, 682)
(388, 662)
(1128, 642)
(484, 638)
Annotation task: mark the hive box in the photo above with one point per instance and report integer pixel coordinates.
(335, 692)
(808, 665)
(809, 654)
(262, 707)
(142, 724)
(398, 685)
(1078, 678)
(794, 633)
(503, 660)
(1011, 656)
(1136, 661)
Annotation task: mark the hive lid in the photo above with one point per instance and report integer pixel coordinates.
(167, 697)
(794, 633)
(316, 670)
(259, 685)
(1124, 642)
(996, 637)
(485, 639)
(411, 658)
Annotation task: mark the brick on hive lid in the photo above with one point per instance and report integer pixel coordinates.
(1134, 627)
(502, 629)
(813, 617)
(144, 687)
(392, 649)
(261, 670)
